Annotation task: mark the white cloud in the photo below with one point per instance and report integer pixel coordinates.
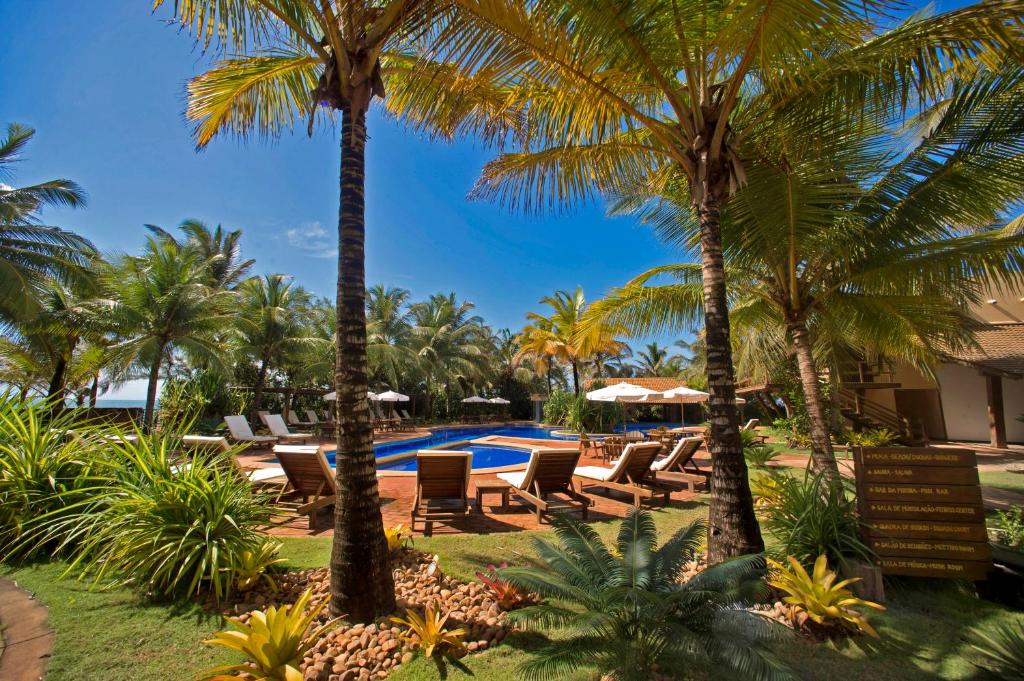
(312, 239)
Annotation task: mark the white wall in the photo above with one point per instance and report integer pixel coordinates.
(965, 405)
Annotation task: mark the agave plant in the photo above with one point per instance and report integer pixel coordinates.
(1002, 651)
(274, 642)
(628, 615)
(47, 466)
(428, 633)
(171, 530)
(508, 595)
(817, 598)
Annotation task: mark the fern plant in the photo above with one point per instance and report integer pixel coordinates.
(626, 613)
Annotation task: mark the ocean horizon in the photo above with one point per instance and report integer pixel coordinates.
(120, 404)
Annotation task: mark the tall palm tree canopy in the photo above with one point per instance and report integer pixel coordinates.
(31, 254)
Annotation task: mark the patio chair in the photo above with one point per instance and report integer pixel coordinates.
(631, 473)
(311, 477)
(263, 414)
(279, 430)
(442, 487)
(404, 415)
(590, 447)
(672, 468)
(751, 426)
(241, 432)
(548, 472)
(312, 417)
(219, 446)
(611, 448)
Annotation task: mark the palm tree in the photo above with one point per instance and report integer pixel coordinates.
(270, 325)
(297, 59)
(555, 337)
(389, 334)
(655, 92)
(846, 250)
(32, 254)
(160, 302)
(655, 360)
(220, 248)
(451, 343)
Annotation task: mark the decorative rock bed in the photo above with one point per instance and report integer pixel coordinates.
(359, 652)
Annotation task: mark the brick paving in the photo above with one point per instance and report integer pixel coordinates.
(397, 492)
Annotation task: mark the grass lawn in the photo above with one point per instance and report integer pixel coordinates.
(103, 635)
(1004, 480)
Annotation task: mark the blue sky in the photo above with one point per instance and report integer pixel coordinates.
(103, 84)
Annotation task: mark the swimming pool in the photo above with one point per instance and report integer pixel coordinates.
(484, 456)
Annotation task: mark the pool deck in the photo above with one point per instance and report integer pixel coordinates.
(397, 489)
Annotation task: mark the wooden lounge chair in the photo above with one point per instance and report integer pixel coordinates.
(263, 414)
(241, 432)
(631, 473)
(548, 472)
(590, 447)
(442, 487)
(279, 430)
(210, 445)
(310, 476)
(406, 419)
(312, 417)
(672, 468)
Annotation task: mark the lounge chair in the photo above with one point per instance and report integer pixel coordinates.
(631, 473)
(310, 476)
(548, 472)
(591, 447)
(279, 430)
(209, 445)
(293, 419)
(241, 432)
(312, 417)
(404, 415)
(263, 414)
(751, 426)
(442, 487)
(672, 468)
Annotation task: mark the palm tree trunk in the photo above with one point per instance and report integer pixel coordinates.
(362, 587)
(549, 376)
(257, 393)
(732, 527)
(94, 390)
(823, 458)
(576, 377)
(154, 377)
(55, 393)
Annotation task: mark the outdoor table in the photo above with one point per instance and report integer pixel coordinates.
(492, 487)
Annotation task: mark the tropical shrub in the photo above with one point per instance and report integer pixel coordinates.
(812, 516)
(171, 529)
(816, 601)
(757, 454)
(873, 437)
(1010, 529)
(508, 595)
(256, 566)
(557, 406)
(44, 471)
(626, 614)
(765, 486)
(274, 642)
(201, 400)
(428, 633)
(1002, 651)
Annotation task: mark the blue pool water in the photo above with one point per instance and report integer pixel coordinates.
(484, 456)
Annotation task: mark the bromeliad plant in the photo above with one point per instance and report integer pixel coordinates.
(274, 642)
(508, 595)
(257, 565)
(398, 537)
(629, 614)
(428, 633)
(817, 602)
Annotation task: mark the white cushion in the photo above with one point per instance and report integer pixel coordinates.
(661, 463)
(514, 478)
(261, 474)
(594, 472)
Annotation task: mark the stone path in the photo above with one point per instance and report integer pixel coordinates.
(28, 638)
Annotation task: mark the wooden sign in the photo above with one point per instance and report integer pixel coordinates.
(923, 511)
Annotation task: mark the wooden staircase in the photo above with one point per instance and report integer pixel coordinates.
(864, 413)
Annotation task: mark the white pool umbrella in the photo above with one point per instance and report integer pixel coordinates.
(333, 395)
(620, 392)
(683, 395)
(475, 399)
(392, 396)
(498, 400)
